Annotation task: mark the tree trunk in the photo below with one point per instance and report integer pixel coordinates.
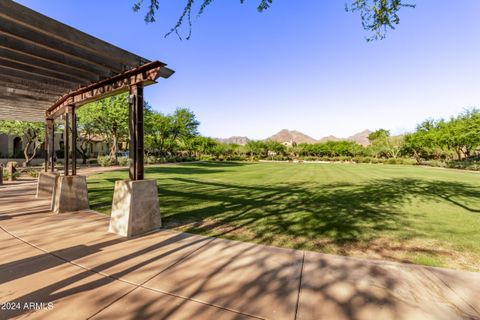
(25, 153)
(113, 149)
(28, 159)
(83, 153)
(459, 154)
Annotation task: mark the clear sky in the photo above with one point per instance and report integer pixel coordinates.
(301, 65)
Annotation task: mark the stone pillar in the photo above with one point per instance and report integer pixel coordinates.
(135, 208)
(11, 169)
(70, 194)
(46, 184)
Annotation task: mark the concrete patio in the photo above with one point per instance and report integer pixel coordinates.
(71, 260)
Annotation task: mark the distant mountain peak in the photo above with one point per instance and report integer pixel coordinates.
(291, 136)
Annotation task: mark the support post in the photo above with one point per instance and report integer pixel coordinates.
(136, 132)
(66, 144)
(74, 141)
(11, 170)
(52, 144)
(45, 146)
(1, 174)
(135, 207)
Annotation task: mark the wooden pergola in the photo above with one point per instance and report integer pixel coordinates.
(48, 70)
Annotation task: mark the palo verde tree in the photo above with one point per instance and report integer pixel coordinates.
(107, 119)
(163, 133)
(379, 142)
(377, 16)
(32, 134)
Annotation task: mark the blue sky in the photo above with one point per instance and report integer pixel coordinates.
(301, 65)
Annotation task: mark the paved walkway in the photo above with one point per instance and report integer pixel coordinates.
(71, 261)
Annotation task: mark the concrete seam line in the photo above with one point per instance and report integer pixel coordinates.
(135, 286)
(300, 285)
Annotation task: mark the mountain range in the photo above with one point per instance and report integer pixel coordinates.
(290, 136)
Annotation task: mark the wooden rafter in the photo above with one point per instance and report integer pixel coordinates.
(44, 63)
(146, 74)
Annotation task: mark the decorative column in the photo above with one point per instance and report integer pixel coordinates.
(135, 207)
(52, 144)
(73, 117)
(66, 144)
(46, 180)
(70, 192)
(45, 146)
(135, 106)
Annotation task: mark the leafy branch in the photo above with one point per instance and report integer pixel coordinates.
(378, 16)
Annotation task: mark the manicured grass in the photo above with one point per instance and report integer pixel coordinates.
(403, 213)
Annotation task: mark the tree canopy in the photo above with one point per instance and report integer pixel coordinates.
(32, 134)
(377, 16)
(108, 119)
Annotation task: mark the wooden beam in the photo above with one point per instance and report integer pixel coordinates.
(145, 75)
(7, 112)
(40, 71)
(32, 61)
(43, 60)
(36, 36)
(14, 83)
(31, 48)
(36, 79)
(12, 94)
(16, 106)
(53, 28)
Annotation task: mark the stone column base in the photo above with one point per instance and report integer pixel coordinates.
(135, 208)
(70, 194)
(46, 184)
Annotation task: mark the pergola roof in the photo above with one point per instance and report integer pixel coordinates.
(44, 62)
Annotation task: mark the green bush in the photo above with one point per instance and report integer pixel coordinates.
(391, 161)
(237, 158)
(104, 161)
(33, 173)
(15, 175)
(206, 158)
(123, 161)
(434, 163)
(469, 164)
(150, 159)
(408, 161)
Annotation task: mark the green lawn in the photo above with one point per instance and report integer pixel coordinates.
(402, 213)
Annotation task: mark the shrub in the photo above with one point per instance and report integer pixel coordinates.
(104, 161)
(434, 163)
(123, 161)
(236, 158)
(470, 164)
(393, 161)
(150, 159)
(15, 175)
(206, 158)
(408, 161)
(33, 173)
